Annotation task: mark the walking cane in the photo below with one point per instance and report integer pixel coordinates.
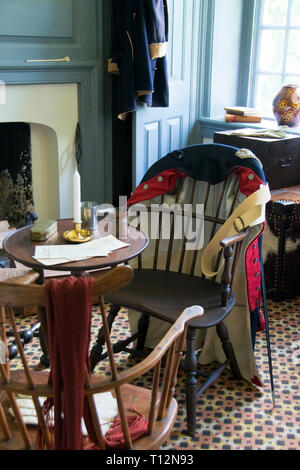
(266, 314)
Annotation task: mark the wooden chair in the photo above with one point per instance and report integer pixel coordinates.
(168, 277)
(159, 407)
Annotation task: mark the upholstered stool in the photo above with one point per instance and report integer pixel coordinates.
(282, 244)
(5, 262)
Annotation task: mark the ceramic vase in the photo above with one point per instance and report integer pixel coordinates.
(286, 106)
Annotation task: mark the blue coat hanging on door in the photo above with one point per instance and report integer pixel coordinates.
(138, 54)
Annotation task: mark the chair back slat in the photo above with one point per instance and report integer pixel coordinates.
(234, 198)
(94, 415)
(4, 425)
(157, 242)
(166, 383)
(228, 214)
(173, 216)
(3, 421)
(179, 345)
(114, 373)
(206, 196)
(189, 221)
(218, 208)
(3, 333)
(196, 251)
(20, 347)
(154, 395)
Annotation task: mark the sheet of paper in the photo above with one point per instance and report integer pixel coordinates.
(50, 255)
(54, 261)
(68, 252)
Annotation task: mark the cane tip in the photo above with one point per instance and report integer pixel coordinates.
(270, 411)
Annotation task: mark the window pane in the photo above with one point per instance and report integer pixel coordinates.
(295, 13)
(292, 80)
(275, 12)
(293, 56)
(267, 87)
(271, 50)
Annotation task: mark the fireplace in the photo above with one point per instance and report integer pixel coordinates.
(51, 110)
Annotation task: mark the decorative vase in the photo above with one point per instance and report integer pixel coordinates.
(286, 106)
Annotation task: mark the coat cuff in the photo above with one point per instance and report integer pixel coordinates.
(158, 50)
(113, 67)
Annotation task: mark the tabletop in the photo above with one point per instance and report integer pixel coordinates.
(19, 246)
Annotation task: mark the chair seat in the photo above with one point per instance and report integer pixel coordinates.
(165, 294)
(134, 397)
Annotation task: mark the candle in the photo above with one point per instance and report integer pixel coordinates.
(76, 197)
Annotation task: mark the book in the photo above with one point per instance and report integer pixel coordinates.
(242, 111)
(239, 118)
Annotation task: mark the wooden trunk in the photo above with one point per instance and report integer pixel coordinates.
(280, 157)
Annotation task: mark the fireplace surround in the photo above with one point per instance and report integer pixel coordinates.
(52, 112)
(46, 31)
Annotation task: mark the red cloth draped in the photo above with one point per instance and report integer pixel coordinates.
(69, 319)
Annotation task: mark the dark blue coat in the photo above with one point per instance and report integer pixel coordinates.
(138, 54)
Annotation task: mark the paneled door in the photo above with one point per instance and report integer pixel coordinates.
(157, 131)
(47, 29)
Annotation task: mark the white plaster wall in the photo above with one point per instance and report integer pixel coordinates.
(226, 54)
(52, 112)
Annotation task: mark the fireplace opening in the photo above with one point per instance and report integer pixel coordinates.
(16, 194)
(51, 111)
(28, 172)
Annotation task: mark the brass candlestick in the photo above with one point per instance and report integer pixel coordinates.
(78, 235)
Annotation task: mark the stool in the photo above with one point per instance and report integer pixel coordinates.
(4, 261)
(281, 267)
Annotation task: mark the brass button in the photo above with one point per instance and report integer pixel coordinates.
(145, 186)
(160, 179)
(251, 176)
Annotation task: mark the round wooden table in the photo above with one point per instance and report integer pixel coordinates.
(19, 246)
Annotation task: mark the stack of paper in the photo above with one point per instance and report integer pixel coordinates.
(274, 133)
(57, 254)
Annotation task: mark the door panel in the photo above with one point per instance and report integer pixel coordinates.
(157, 131)
(47, 29)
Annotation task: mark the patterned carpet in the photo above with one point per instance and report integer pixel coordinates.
(234, 415)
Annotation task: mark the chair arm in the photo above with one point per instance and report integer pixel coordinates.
(229, 241)
(126, 376)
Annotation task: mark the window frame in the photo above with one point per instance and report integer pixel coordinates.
(252, 29)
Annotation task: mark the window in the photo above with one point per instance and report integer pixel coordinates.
(275, 57)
